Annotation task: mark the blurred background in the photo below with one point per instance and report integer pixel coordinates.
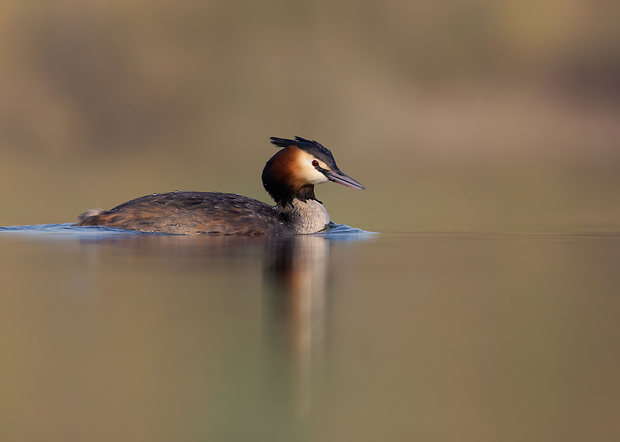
(488, 122)
(476, 115)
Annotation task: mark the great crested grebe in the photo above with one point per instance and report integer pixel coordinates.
(289, 177)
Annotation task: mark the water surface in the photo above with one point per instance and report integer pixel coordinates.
(114, 335)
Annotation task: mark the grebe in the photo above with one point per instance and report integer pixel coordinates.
(289, 177)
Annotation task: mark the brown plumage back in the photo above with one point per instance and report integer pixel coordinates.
(191, 213)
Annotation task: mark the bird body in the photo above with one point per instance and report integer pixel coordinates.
(289, 177)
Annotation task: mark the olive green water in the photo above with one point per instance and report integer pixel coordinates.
(439, 336)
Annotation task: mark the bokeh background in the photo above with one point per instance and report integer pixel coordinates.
(476, 115)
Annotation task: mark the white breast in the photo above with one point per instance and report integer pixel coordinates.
(312, 216)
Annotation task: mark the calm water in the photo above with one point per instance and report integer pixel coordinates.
(109, 335)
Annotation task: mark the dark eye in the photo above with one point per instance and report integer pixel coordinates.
(315, 163)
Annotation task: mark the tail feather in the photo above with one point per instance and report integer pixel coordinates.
(89, 218)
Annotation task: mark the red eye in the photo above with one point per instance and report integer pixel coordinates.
(315, 163)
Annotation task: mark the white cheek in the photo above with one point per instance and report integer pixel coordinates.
(317, 177)
(311, 175)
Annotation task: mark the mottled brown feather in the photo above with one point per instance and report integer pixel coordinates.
(193, 213)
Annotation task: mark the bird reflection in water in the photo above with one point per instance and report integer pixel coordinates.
(294, 292)
(296, 297)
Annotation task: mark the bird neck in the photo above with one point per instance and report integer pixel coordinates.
(289, 196)
(307, 216)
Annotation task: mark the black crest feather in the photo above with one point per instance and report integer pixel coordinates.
(312, 147)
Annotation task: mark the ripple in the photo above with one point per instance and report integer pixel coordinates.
(336, 231)
(67, 229)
